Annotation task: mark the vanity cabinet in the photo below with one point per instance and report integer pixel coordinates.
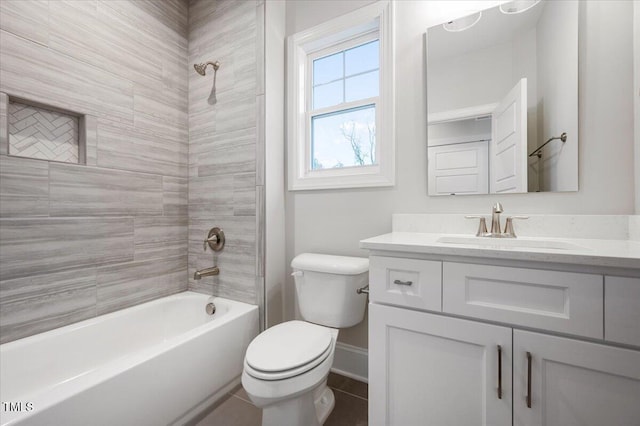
(574, 383)
(504, 362)
(427, 369)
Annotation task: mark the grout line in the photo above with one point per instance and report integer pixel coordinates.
(350, 394)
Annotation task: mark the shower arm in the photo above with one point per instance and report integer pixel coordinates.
(202, 67)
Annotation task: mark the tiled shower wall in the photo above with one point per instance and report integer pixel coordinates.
(81, 240)
(226, 146)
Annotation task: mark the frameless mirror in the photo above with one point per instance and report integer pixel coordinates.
(502, 100)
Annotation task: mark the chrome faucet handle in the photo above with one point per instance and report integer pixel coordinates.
(508, 227)
(215, 239)
(482, 226)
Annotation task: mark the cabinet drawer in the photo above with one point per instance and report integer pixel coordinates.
(566, 302)
(622, 310)
(406, 282)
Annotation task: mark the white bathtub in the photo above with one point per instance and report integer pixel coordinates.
(154, 364)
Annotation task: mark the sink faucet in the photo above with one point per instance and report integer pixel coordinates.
(495, 219)
(206, 272)
(496, 232)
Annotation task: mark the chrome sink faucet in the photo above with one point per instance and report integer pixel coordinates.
(496, 232)
(495, 218)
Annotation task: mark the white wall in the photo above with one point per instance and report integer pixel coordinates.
(557, 96)
(334, 221)
(274, 187)
(636, 85)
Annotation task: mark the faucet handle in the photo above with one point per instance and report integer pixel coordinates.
(508, 227)
(482, 226)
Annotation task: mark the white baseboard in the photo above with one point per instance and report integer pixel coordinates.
(351, 361)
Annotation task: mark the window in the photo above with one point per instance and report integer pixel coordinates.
(340, 105)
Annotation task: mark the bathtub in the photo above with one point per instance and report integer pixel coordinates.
(158, 363)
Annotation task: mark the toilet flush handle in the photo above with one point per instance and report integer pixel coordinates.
(297, 273)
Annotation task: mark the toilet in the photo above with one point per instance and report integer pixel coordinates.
(286, 366)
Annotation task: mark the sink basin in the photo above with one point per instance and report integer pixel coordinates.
(510, 243)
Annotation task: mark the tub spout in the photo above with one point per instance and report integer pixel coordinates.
(206, 273)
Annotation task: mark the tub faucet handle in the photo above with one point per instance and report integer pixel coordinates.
(215, 239)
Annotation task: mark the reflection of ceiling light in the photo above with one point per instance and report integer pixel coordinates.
(462, 23)
(518, 6)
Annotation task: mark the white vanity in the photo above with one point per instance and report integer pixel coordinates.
(544, 331)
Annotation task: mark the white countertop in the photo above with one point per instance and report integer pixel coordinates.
(593, 252)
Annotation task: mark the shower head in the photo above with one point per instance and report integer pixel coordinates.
(201, 68)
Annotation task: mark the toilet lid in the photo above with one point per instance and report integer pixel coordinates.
(288, 346)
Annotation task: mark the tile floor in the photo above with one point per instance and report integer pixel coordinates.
(350, 409)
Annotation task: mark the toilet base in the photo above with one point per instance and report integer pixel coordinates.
(309, 409)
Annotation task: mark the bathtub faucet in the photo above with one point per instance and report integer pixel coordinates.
(206, 272)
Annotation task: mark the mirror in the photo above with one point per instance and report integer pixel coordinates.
(502, 100)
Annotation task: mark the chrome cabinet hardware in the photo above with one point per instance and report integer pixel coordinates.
(215, 239)
(529, 357)
(499, 372)
(398, 282)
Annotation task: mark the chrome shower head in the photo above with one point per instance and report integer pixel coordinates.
(201, 68)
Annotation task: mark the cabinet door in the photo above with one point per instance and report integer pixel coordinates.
(574, 383)
(427, 369)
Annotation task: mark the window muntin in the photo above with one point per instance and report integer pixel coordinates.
(348, 75)
(345, 88)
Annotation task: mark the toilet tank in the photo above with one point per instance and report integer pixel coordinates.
(326, 288)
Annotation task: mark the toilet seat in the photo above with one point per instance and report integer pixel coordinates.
(287, 350)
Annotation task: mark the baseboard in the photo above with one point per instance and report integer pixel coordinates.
(351, 361)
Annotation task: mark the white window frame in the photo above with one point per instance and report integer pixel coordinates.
(350, 30)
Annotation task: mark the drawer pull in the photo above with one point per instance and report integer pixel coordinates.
(398, 282)
(529, 379)
(499, 372)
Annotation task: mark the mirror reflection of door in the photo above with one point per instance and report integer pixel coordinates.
(508, 160)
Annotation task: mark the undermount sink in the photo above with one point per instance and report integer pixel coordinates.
(510, 243)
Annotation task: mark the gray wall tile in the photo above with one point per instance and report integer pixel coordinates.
(26, 18)
(64, 243)
(127, 284)
(36, 304)
(24, 187)
(175, 192)
(4, 124)
(84, 191)
(123, 65)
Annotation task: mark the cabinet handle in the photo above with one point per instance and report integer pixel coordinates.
(529, 379)
(499, 372)
(398, 282)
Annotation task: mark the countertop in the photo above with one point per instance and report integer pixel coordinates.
(592, 252)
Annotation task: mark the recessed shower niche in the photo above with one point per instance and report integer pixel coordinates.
(42, 132)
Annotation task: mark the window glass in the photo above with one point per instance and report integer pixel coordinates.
(362, 58)
(328, 69)
(326, 95)
(362, 86)
(344, 138)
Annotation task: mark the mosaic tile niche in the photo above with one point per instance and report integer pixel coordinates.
(44, 134)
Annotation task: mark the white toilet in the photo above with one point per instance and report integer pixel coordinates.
(286, 366)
